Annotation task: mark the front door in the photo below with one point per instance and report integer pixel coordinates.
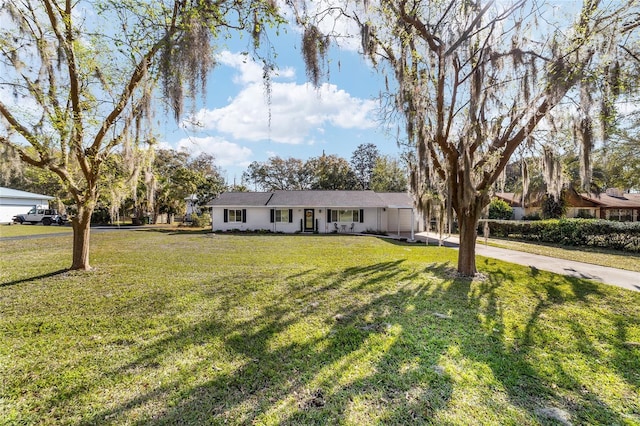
(309, 219)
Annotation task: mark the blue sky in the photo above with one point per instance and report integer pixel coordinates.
(232, 122)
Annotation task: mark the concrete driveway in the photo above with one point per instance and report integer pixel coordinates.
(604, 274)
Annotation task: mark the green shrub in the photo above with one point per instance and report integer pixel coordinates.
(532, 216)
(584, 214)
(100, 216)
(371, 231)
(553, 208)
(500, 209)
(572, 232)
(200, 221)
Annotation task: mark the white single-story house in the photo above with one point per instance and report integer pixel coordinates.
(314, 211)
(13, 202)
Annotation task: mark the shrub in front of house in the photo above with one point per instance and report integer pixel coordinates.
(532, 216)
(370, 231)
(500, 209)
(200, 221)
(572, 232)
(584, 214)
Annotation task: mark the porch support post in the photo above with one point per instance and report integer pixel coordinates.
(412, 224)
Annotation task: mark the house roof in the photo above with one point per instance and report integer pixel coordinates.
(15, 193)
(513, 199)
(327, 199)
(625, 201)
(397, 200)
(237, 199)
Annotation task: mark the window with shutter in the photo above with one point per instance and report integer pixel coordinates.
(283, 215)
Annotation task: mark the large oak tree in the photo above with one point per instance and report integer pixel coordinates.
(473, 80)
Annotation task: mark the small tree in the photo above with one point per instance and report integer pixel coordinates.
(89, 88)
(500, 209)
(389, 175)
(331, 172)
(363, 163)
(279, 174)
(553, 206)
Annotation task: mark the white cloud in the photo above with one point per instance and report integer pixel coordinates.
(333, 21)
(296, 110)
(250, 71)
(226, 153)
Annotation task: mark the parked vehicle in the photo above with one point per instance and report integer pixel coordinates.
(40, 214)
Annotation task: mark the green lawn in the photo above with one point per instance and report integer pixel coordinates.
(192, 328)
(21, 230)
(596, 256)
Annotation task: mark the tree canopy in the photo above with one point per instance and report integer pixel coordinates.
(77, 91)
(474, 81)
(327, 172)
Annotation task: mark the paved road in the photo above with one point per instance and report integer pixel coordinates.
(604, 274)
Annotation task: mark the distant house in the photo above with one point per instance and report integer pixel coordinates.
(13, 202)
(612, 205)
(520, 209)
(615, 205)
(314, 211)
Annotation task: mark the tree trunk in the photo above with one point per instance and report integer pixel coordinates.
(81, 232)
(468, 225)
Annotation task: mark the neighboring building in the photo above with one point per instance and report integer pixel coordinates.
(13, 202)
(520, 209)
(612, 205)
(615, 205)
(314, 211)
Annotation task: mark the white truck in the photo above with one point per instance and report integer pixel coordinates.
(41, 214)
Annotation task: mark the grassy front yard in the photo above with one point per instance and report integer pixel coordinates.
(596, 256)
(192, 328)
(16, 230)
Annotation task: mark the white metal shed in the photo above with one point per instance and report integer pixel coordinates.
(13, 202)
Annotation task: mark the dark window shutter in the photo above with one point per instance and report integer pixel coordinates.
(226, 215)
(361, 215)
(273, 215)
(328, 215)
(290, 215)
(244, 215)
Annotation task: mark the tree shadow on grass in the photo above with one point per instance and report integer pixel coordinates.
(377, 343)
(297, 373)
(535, 359)
(39, 277)
(177, 231)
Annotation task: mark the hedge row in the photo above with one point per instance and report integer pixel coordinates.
(571, 232)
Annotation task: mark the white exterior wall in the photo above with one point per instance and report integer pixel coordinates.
(518, 212)
(255, 219)
(286, 227)
(371, 220)
(259, 218)
(10, 207)
(399, 220)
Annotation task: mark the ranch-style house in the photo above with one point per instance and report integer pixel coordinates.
(314, 212)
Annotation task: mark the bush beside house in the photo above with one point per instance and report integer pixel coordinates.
(572, 232)
(500, 209)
